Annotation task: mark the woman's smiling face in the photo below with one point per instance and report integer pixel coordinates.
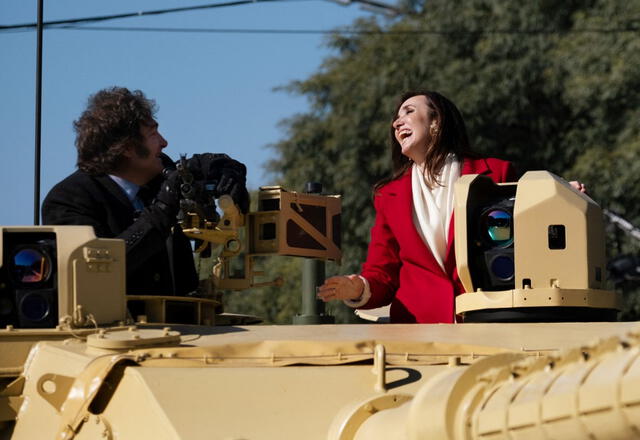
(412, 127)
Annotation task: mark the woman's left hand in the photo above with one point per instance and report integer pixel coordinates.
(579, 186)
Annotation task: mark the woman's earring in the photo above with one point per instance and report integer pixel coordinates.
(433, 129)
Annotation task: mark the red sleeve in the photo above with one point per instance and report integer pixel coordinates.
(382, 267)
(501, 170)
(509, 173)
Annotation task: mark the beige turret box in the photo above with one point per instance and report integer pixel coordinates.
(296, 224)
(60, 273)
(530, 251)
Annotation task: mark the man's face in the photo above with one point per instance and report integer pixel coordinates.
(144, 161)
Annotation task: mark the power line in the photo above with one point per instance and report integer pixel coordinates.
(200, 30)
(73, 24)
(135, 14)
(344, 31)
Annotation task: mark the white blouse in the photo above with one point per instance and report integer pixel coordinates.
(433, 207)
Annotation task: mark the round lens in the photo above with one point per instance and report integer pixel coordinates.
(31, 266)
(502, 267)
(498, 226)
(34, 307)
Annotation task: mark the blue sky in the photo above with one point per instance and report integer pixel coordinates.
(214, 91)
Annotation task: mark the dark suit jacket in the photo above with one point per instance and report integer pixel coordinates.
(400, 268)
(83, 199)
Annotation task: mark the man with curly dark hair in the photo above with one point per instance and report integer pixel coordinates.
(126, 187)
(109, 126)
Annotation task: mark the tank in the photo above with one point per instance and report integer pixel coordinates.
(530, 254)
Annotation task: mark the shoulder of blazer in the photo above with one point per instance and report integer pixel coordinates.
(95, 187)
(474, 165)
(484, 165)
(497, 164)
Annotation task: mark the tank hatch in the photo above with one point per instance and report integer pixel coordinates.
(132, 338)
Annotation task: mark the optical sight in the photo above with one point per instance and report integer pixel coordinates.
(52, 272)
(531, 251)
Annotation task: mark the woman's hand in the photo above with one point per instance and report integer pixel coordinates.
(341, 288)
(578, 186)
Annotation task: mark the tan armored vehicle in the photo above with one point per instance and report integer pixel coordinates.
(74, 367)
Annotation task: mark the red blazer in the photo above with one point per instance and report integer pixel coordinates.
(400, 268)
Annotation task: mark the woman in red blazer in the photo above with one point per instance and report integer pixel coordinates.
(411, 263)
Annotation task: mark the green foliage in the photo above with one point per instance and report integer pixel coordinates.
(548, 85)
(275, 305)
(278, 305)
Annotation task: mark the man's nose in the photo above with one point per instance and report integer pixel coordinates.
(163, 142)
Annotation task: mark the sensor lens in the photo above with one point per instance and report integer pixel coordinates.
(31, 266)
(34, 307)
(502, 267)
(498, 225)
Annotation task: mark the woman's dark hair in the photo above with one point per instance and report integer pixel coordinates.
(109, 126)
(451, 137)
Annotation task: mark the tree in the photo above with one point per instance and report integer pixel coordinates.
(601, 82)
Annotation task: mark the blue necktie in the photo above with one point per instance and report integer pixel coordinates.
(137, 204)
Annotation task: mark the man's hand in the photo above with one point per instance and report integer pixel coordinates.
(229, 175)
(233, 184)
(209, 166)
(164, 209)
(169, 193)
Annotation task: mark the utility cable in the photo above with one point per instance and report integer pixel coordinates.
(200, 30)
(100, 18)
(342, 31)
(69, 23)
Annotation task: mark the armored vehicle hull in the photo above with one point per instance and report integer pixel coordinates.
(560, 380)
